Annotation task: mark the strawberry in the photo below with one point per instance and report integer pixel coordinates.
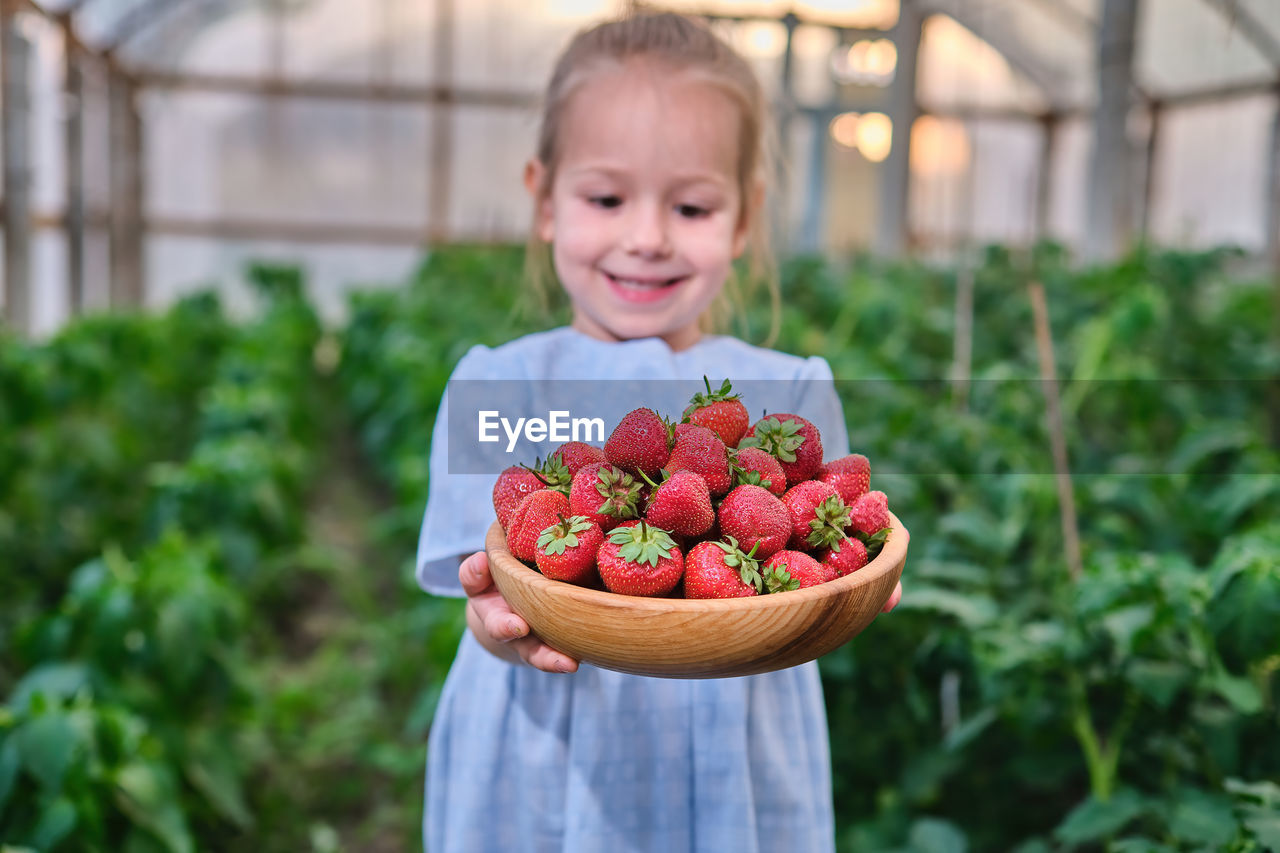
(845, 557)
(755, 517)
(566, 551)
(720, 411)
(639, 443)
(755, 466)
(819, 518)
(575, 454)
(851, 475)
(553, 474)
(512, 485)
(604, 494)
(787, 570)
(681, 504)
(639, 559)
(538, 511)
(790, 439)
(678, 431)
(720, 570)
(701, 451)
(870, 513)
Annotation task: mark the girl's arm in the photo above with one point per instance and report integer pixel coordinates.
(497, 628)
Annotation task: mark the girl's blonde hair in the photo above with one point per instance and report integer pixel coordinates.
(684, 44)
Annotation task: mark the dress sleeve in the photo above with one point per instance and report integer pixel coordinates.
(819, 404)
(459, 506)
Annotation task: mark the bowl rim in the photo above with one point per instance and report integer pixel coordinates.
(891, 556)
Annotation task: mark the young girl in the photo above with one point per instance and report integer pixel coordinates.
(647, 184)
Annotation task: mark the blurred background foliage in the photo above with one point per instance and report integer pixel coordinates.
(210, 637)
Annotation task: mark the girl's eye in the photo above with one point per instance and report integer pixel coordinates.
(606, 201)
(691, 211)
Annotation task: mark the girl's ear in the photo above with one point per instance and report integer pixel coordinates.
(751, 206)
(543, 225)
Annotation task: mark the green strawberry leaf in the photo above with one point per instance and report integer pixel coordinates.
(778, 579)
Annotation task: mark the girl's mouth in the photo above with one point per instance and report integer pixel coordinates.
(642, 289)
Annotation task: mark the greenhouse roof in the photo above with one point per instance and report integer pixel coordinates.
(1187, 50)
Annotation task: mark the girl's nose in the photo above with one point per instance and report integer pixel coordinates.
(648, 233)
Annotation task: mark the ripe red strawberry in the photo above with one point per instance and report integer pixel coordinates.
(720, 570)
(605, 494)
(639, 443)
(575, 454)
(701, 451)
(790, 439)
(680, 429)
(756, 518)
(566, 551)
(681, 504)
(845, 557)
(787, 570)
(818, 517)
(637, 558)
(534, 514)
(511, 487)
(870, 513)
(755, 466)
(851, 475)
(720, 411)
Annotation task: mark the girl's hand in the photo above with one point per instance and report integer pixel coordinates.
(498, 628)
(893, 599)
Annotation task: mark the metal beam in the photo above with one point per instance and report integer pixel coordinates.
(1007, 44)
(892, 227)
(1251, 29)
(136, 21)
(1048, 160)
(440, 152)
(125, 233)
(1149, 187)
(1109, 209)
(334, 90)
(15, 136)
(73, 153)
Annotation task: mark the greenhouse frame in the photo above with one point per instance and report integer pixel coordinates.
(1084, 121)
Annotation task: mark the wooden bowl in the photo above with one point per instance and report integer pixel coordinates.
(688, 638)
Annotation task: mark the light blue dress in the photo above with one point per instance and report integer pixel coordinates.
(599, 761)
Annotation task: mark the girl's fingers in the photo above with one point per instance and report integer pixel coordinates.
(497, 617)
(541, 656)
(474, 575)
(893, 599)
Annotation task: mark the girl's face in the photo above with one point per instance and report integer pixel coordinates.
(644, 213)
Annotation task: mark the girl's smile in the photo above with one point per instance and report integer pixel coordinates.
(642, 289)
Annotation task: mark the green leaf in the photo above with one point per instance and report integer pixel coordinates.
(213, 774)
(1241, 693)
(1238, 495)
(56, 822)
(964, 733)
(147, 793)
(1159, 680)
(1095, 819)
(971, 609)
(931, 835)
(1200, 444)
(1244, 614)
(47, 744)
(1203, 818)
(57, 681)
(10, 764)
(1264, 823)
(1266, 793)
(1122, 624)
(1138, 845)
